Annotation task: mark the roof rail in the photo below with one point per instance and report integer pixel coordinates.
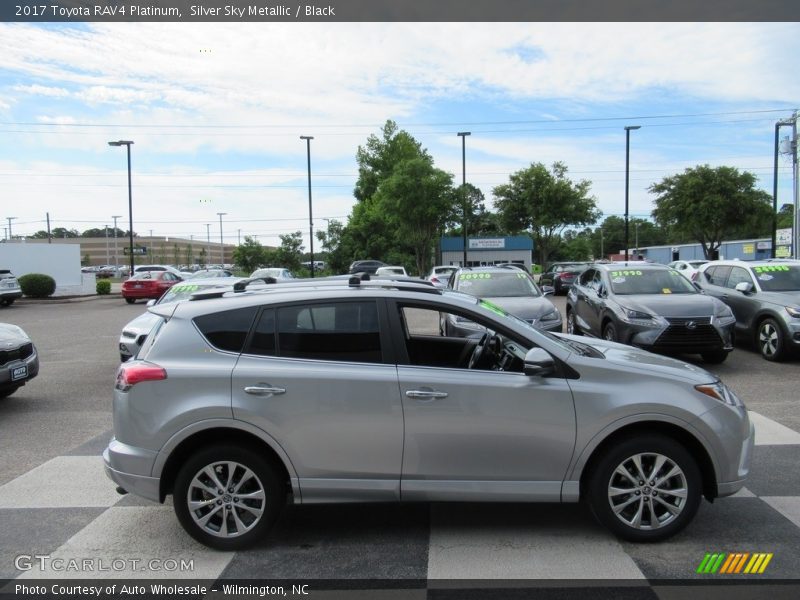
(241, 286)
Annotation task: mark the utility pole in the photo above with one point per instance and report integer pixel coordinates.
(208, 243)
(796, 185)
(116, 260)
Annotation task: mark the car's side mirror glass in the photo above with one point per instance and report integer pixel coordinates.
(745, 287)
(538, 363)
(548, 290)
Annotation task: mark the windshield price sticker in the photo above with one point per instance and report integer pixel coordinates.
(186, 288)
(770, 268)
(467, 276)
(626, 273)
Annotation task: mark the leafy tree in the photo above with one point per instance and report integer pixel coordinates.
(544, 203)
(290, 253)
(480, 221)
(786, 216)
(62, 232)
(249, 255)
(418, 201)
(331, 240)
(39, 235)
(709, 205)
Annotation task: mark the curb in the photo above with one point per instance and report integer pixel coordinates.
(67, 299)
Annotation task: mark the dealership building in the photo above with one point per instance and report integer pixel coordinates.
(485, 251)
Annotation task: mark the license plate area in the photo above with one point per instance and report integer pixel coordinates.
(18, 373)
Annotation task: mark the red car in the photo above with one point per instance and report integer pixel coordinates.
(148, 284)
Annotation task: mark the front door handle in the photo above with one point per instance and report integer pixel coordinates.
(258, 390)
(425, 394)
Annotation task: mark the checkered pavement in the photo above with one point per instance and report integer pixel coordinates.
(66, 508)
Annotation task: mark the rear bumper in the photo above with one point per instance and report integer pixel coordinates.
(129, 468)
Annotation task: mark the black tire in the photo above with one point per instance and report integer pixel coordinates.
(225, 508)
(557, 288)
(715, 358)
(8, 301)
(130, 300)
(8, 391)
(610, 332)
(662, 514)
(572, 326)
(770, 341)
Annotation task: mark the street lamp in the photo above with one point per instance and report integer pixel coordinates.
(221, 247)
(116, 259)
(9, 219)
(308, 139)
(127, 144)
(208, 244)
(628, 129)
(463, 135)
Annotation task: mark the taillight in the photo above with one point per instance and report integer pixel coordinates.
(434, 280)
(129, 375)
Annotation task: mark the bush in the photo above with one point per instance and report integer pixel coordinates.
(37, 285)
(103, 287)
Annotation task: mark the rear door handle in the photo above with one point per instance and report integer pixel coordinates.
(425, 394)
(257, 390)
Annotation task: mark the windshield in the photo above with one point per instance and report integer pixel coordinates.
(649, 281)
(778, 278)
(497, 285)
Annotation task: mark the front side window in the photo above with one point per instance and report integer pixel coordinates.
(737, 276)
(339, 331)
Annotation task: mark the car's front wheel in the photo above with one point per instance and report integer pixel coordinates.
(770, 340)
(645, 489)
(228, 497)
(715, 358)
(572, 326)
(610, 332)
(130, 300)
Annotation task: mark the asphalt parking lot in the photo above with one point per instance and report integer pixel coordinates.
(57, 425)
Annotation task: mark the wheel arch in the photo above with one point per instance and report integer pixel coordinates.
(673, 431)
(170, 461)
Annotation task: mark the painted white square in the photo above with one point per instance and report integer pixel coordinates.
(63, 482)
(743, 493)
(772, 433)
(123, 541)
(462, 547)
(788, 506)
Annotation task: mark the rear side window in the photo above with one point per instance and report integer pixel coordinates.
(227, 330)
(339, 331)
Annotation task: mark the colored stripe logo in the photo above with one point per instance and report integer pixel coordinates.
(735, 563)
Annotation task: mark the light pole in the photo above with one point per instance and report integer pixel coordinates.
(628, 129)
(127, 144)
(221, 247)
(208, 243)
(9, 219)
(116, 260)
(308, 139)
(778, 126)
(107, 257)
(636, 229)
(463, 135)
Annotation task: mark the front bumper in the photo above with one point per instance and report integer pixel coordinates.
(31, 363)
(681, 336)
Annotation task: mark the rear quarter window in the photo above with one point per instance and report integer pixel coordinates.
(227, 330)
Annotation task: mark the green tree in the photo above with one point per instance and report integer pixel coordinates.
(290, 253)
(785, 216)
(418, 200)
(63, 232)
(709, 205)
(331, 240)
(544, 203)
(249, 255)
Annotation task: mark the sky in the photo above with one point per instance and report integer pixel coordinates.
(216, 112)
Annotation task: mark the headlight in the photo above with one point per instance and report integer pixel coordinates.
(465, 323)
(724, 314)
(720, 391)
(553, 315)
(794, 311)
(637, 317)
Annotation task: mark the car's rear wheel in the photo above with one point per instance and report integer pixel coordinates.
(769, 339)
(645, 489)
(228, 497)
(7, 301)
(610, 332)
(715, 358)
(130, 300)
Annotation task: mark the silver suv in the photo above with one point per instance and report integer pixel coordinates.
(348, 392)
(764, 297)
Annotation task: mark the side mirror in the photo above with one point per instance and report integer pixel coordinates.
(538, 363)
(602, 292)
(745, 287)
(150, 303)
(548, 290)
